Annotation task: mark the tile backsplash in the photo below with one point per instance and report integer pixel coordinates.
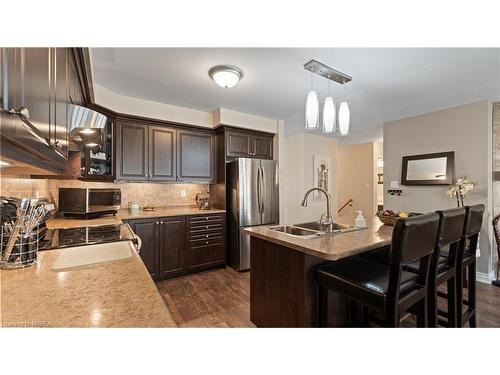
(20, 187)
(157, 195)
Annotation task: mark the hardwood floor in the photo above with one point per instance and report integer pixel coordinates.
(221, 298)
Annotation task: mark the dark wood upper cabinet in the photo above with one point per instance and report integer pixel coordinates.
(248, 144)
(262, 147)
(37, 79)
(75, 91)
(37, 88)
(195, 156)
(162, 155)
(172, 246)
(59, 126)
(131, 151)
(146, 152)
(237, 144)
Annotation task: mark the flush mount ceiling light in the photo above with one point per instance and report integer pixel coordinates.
(225, 75)
(329, 108)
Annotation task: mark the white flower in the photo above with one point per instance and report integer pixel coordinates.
(463, 186)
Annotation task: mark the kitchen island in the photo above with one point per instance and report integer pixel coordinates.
(283, 292)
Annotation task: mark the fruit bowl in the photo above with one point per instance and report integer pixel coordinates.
(388, 220)
(389, 217)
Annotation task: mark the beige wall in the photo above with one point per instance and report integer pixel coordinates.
(357, 175)
(296, 176)
(142, 193)
(140, 107)
(244, 120)
(162, 111)
(466, 130)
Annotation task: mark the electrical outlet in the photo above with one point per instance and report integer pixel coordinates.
(183, 194)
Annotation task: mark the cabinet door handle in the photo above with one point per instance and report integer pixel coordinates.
(161, 222)
(207, 236)
(157, 223)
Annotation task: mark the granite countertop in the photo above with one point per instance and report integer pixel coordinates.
(64, 223)
(124, 214)
(113, 294)
(332, 247)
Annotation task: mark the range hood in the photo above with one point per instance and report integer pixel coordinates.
(85, 125)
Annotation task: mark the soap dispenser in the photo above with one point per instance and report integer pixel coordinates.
(360, 221)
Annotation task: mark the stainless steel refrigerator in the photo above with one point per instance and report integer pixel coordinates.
(252, 199)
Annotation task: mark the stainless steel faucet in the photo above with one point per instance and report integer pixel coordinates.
(327, 222)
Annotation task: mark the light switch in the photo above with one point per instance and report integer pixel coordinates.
(394, 184)
(183, 194)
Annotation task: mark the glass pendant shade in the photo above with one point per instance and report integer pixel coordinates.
(344, 118)
(329, 115)
(312, 110)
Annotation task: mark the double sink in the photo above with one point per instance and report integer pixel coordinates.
(312, 229)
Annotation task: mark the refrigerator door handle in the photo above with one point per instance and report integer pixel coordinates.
(259, 190)
(264, 189)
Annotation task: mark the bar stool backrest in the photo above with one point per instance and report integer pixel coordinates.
(472, 228)
(451, 228)
(414, 238)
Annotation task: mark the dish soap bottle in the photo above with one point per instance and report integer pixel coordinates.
(360, 221)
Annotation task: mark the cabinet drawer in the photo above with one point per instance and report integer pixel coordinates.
(201, 256)
(210, 226)
(205, 242)
(205, 236)
(207, 219)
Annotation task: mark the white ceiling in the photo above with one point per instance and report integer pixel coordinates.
(388, 83)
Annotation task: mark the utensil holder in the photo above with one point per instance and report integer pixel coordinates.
(24, 252)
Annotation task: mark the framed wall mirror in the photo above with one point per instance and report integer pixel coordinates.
(428, 169)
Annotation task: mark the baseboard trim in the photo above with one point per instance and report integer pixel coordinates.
(485, 278)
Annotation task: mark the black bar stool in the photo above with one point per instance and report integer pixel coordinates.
(388, 289)
(443, 268)
(466, 264)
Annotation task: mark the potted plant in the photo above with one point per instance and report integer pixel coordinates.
(460, 189)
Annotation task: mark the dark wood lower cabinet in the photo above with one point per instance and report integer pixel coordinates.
(179, 245)
(149, 232)
(171, 246)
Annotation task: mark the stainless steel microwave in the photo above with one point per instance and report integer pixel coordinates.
(89, 202)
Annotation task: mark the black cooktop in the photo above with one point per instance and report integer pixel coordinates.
(59, 238)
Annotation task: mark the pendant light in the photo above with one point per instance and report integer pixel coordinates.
(312, 108)
(344, 116)
(329, 113)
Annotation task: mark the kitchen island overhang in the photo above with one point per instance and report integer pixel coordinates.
(283, 292)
